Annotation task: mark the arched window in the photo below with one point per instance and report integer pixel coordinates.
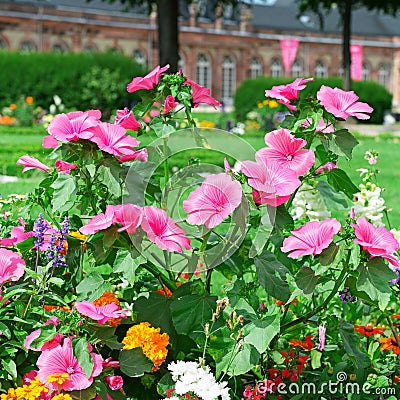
(383, 75)
(320, 70)
(297, 69)
(204, 71)
(59, 48)
(255, 68)
(366, 74)
(276, 67)
(27, 46)
(139, 57)
(228, 79)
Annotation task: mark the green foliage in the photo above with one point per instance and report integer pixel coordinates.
(69, 76)
(252, 91)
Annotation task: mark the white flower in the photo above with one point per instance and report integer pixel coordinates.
(57, 100)
(368, 203)
(308, 203)
(396, 234)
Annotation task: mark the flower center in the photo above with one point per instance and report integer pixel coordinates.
(70, 370)
(289, 157)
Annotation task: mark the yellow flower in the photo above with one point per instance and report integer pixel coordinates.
(11, 395)
(260, 105)
(58, 377)
(266, 102)
(29, 100)
(273, 104)
(29, 392)
(207, 124)
(153, 344)
(78, 235)
(62, 396)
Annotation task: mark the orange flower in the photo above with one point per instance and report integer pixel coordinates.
(368, 330)
(6, 120)
(396, 380)
(29, 100)
(49, 308)
(13, 106)
(108, 298)
(306, 345)
(58, 377)
(165, 291)
(153, 343)
(390, 344)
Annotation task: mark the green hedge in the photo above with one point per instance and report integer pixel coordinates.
(252, 91)
(42, 75)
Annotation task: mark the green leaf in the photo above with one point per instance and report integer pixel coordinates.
(272, 276)
(374, 280)
(328, 255)
(321, 154)
(10, 366)
(345, 141)
(340, 181)
(191, 312)
(92, 287)
(64, 193)
(163, 129)
(331, 197)
(259, 333)
(316, 359)
(126, 263)
(82, 354)
(306, 280)
(280, 217)
(46, 334)
(109, 176)
(5, 330)
(134, 363)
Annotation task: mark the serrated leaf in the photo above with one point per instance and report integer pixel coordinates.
(162, 129)
(341, 182)
(134, 363)
(64, 193)
(82, 354)
(330, 196)
(92, 287)
(259, 333)
(109, 176)
(126, 263)
(345, 141)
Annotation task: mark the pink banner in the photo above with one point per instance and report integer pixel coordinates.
(289, 50)
(356, 52)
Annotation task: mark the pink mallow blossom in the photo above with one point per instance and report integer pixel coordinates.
(74, 125)
(140, 155)
(29, 162)
(311, 238)
(101, 314)
(114, 382)
(287, 150)
(169, 104)
(213, 201)
(49, 142)
(163, 230)
(284, 94)
(273, 183)
(18, 235)
(343, 104)
(12, 266)
(321, 127)
(379, 242)
(64, 167)
(127, 120)
(112, 139)
(147, 82)
(62, 360)
(329, 166)
(50, 344)
(201, 95)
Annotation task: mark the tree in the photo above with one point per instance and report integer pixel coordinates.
(345, 8)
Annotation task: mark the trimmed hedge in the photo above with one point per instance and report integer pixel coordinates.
(252, 91)
(42, 75)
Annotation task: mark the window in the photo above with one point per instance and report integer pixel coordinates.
(203, 71)
(59, 48)
(27, 46)
(181, 62)
(89, 49)
(139, 57)
(255, 68)
(297, 69)
(228, 79)
(276, 67)
(365, 75)
(320, 70)
(383, 75)
(3, 44)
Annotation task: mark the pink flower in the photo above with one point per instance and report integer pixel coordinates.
(129, 216)
(273, 183)
(201, 95)
(148, 82)
(108, 362)
(62, 360)
(64, 167)
(169, 104)
(99, 222)
(29, 162)
(329, 166)
(111, 138)
(50, 344)
(343, 104)
(11, 266)
(29, 376)
(321, 337)
(286, 150)
(140, 155)
(49, 142)
(114, 382)
(163, 231)
(101, 314)
(127, 120)
(379, 242)
(74, 125)
(286, 93)
(321, 127)
(211, 203)
(18, 235)
(311, 238)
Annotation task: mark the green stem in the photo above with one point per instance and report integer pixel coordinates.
(170, 284)
(392, 328)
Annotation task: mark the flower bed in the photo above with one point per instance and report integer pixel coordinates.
(124, 279)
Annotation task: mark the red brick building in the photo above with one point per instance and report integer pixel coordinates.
(218, 49)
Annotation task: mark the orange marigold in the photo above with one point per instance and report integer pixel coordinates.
(368, 330)
(62, 396)
(389, 344)
(108, 298)
(13, 106)
(29, 100)
(396, 380)
(153, 343)
(30, 392)
(306, 345)
(10, 395)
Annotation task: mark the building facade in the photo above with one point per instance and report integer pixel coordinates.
(218, 48)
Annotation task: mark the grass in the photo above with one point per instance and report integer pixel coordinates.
(15, 142)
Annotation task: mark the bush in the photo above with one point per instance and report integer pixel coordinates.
(42, 75)
(251, 91)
